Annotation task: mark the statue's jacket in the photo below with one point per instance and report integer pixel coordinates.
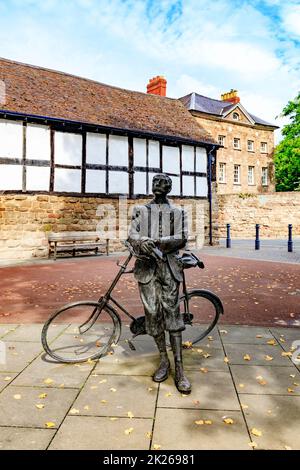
(165, 224)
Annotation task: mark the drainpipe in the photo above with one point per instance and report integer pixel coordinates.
(211, 160)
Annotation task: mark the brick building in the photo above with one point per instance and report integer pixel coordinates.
(68, 144)
(245, 163)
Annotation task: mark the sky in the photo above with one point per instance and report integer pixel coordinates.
(202, 46)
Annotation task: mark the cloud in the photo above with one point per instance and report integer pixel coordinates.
(199, 45)
(291, 19)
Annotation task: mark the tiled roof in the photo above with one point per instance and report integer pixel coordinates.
(38, 91)
(203, 104)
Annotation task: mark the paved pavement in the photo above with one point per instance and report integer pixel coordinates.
(253, 292)
(246, 394)
(270, 250)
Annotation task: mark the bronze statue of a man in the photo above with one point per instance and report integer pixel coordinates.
(158, 230)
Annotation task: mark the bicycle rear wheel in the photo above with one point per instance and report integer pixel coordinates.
(81, 339)
(205, 308)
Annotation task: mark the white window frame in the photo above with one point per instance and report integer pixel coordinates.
(264, 176)
(264, 147)
(237, 173)
(238, 146)
(222, 172)
(221, 140)
(251, 179)
(250, 145)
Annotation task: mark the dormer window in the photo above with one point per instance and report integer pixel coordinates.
(236, 116)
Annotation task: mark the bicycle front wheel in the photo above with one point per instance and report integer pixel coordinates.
(205, 308)
(71, 335)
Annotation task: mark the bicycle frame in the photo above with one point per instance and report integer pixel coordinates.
(103, 300)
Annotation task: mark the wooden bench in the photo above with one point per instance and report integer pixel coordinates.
(72, 242)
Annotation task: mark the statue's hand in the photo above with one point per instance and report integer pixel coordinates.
(147, 247)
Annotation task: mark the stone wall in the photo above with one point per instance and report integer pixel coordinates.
(273, 211)
(230, 156)
(26, 220)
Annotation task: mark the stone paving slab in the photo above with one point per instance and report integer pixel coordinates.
(175, 429)
(95, 433)
(6, 379)
(19, 355)
(266, 380)
(70, 375)
(143, 361)
(115, 395)
(258, 354)
(32, 333)
(25, 438)
(289, 334)
(277, 417)
(5, 329)
(208, 357)
(18, 406)
(245, 335)
(212, 390)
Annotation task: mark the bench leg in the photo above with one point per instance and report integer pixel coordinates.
(55, 251)
(107, 247)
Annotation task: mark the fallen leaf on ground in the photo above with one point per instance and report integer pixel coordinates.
(288, 448)
(86, 407)
(259, 336)
(207, 421)
(150, 389)
(204, 370)
(206, 355)
(130, 414)
(290, 390)
(241, 385)
(128, 431)
(48, 381)
(223, 332)
(187, 344)
(286, 353)
(50, 425)
(43, 395)
(74, 411)
(6, 379)
(268, 358)
(252, 444)
(169, 394)
(256, 432)
(17, 397)
(228, 420)
(199, 422)
(293, 376)
(103, 401)
(149, 435)
(226, 359)
(113, 390)
(247, 357)
(156, 446)
(272, 342)
(244, 407)
(114, 418)
(103, 381)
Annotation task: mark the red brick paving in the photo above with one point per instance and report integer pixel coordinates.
(253, 292)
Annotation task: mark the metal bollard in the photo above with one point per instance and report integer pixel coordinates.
(228, 239)
(257, 240)
(290, 240)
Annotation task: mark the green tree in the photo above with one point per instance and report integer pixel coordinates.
(287, 153)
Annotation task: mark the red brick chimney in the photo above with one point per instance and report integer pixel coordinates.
(231, 97)
(157, 86)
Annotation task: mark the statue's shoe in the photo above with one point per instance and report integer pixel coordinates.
(163, 371)
(181, 381)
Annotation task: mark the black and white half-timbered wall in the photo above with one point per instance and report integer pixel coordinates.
(48, 158)
(67, 140)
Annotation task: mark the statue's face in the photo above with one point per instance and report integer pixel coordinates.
(161, 185)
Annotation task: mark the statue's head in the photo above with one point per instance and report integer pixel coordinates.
(161, 184)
